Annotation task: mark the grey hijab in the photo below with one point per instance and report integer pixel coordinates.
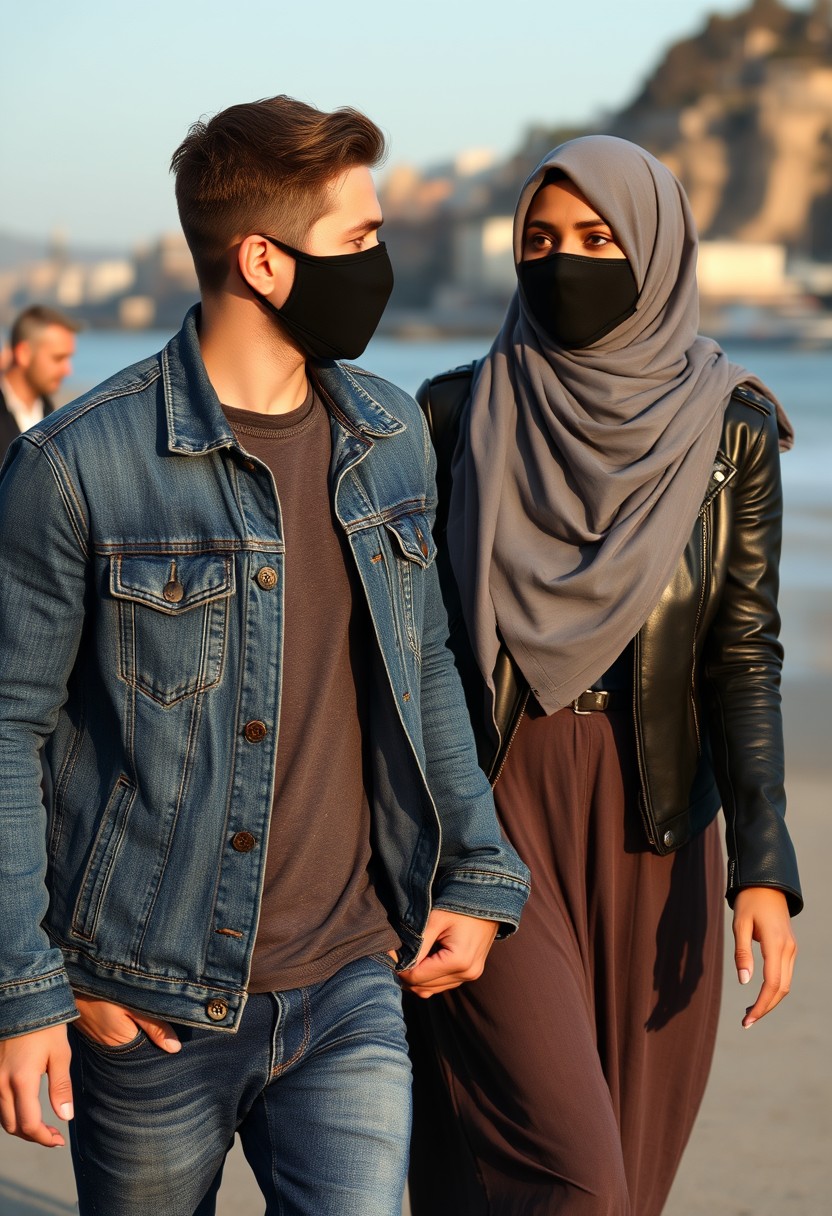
(582, 472)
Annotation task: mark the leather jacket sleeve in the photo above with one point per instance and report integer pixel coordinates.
(741, 671)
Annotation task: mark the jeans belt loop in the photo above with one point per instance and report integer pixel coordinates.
(591, 701)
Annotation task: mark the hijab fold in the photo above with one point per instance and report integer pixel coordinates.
(580, 473)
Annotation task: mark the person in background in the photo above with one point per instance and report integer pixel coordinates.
(41, 346)
(612, 546)
(240, 803)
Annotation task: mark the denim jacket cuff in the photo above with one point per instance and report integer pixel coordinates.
(34, 1004)
(486, 895)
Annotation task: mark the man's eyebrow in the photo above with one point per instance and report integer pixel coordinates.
(366, 226)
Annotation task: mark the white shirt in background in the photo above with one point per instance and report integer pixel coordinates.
(23, 414)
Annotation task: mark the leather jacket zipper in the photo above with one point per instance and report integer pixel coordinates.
(646, 817)
(514, 730)
(699, 606)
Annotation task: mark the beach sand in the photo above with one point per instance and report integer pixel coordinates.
(763, 1142)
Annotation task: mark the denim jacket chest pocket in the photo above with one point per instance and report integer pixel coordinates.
(414, 549)
(173, 621)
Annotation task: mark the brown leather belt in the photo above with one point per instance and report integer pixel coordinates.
(599, 700)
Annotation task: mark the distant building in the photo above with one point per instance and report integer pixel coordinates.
(483, 255)
(730, 271)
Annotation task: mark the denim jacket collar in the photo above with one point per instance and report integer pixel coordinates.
(197, 424)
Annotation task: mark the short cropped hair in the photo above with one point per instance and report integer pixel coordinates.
(264, 166)
(30, 323)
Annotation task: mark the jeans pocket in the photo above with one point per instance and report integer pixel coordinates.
(384, 958)
(138, 1040)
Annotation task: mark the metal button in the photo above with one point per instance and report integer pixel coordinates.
(243, 842)
(173, 591)
(267, 578)
(255, 731)
(668, 838)
(216, 1010)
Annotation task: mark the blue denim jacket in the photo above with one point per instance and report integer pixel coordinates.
(140, 664)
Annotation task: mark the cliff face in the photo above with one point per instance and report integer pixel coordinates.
(742, 113)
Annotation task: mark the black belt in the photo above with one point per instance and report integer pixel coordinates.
(599, 700)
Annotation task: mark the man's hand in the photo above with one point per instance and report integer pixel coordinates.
(761, 914)
(114, 1025)
(23, 1061)
(454, 950)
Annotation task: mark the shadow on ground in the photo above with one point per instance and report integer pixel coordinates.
(17, 1200)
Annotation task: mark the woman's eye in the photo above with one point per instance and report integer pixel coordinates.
(539, 240)
(598, 240)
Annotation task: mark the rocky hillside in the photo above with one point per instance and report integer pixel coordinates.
(742, 112)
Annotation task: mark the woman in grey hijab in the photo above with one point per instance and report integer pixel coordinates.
(613, 535)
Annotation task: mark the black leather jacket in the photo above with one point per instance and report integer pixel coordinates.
(706, 678)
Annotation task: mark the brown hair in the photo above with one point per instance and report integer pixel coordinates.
(32, 321)
(265, 166)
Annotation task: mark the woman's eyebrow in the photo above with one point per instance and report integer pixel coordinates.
(593, 223)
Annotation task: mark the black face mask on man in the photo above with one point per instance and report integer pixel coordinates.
(577, 300)
(335, 302)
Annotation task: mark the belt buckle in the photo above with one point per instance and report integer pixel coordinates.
(600, 698)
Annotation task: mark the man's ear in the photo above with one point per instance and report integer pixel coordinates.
(22, 354)
(266, 268)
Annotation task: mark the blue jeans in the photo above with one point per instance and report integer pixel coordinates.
(316, 1082)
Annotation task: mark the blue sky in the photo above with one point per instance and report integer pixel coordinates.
(95, 95)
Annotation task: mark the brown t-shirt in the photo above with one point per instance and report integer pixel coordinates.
(320, 909)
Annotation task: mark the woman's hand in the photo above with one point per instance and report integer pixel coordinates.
(761, 914)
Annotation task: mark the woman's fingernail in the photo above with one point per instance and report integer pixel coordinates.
(745, 976)
(66, 1111)
(748, 1023)
(172, 1044)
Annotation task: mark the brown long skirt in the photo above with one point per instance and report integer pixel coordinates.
(567, 1079)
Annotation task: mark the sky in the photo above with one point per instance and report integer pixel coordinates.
(95, 95)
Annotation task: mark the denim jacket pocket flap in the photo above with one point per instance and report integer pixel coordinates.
(414, 536)
(172, 583)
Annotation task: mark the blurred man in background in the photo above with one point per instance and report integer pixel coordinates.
(42, 344)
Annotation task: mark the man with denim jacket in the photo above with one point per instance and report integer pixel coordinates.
(238, 790)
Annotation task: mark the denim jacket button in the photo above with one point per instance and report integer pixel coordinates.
(255, 731)
(243, 842)
(217, 1010)
(267, 578)
(173, 591)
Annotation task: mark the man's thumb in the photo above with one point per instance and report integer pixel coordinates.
(160, 1033)
(60, 1092)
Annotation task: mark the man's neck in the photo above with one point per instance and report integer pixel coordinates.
(248, 361)
(15, 378)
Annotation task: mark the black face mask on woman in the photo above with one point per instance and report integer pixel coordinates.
(578, 300)
(335, 302)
